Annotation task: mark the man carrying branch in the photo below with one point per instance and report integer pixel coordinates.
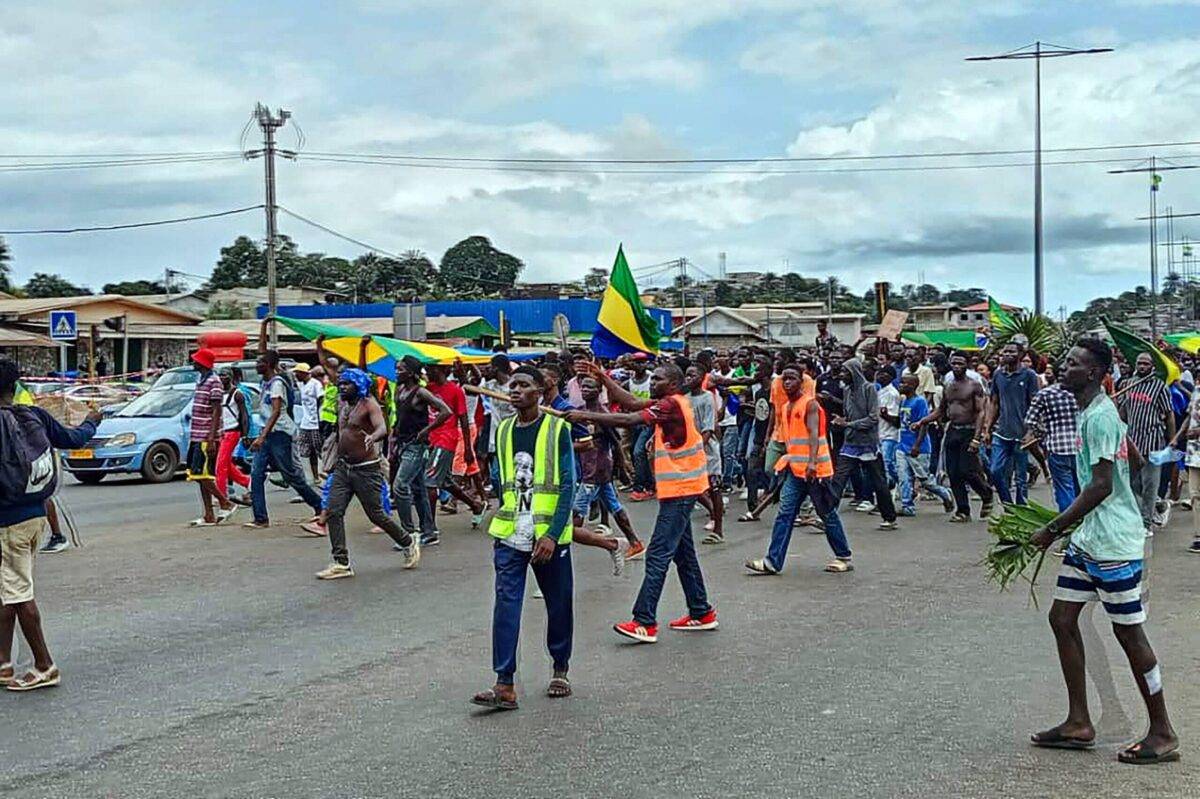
(1103, 561)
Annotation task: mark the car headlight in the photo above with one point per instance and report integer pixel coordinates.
(122, 440)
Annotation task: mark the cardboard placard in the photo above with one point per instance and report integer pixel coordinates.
(892, 324)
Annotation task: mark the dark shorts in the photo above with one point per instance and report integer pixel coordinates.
(438, 467)
(201, 461)
(309, 442)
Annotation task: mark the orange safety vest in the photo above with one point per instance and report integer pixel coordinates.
(795, 425)
(681, 472)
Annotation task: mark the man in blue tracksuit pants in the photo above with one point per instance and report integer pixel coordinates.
(531, 528)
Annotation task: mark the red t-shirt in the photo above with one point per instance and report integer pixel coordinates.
(447, 434)
(668, 415)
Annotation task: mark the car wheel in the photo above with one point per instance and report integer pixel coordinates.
(90, 478)
(159, 463)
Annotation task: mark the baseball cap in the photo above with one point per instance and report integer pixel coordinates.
(301, 367)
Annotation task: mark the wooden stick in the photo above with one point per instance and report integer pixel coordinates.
(498, 395)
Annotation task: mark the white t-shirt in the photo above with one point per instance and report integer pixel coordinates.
(889, 400)
(971, 374)
(276, 388)
(312, 394)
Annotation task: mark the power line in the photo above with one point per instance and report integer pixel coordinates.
(175, 221)
(165, 154)
(607, 171)
(53, 166)
(338, 235)
(748, 160)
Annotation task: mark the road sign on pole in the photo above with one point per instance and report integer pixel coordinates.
(63, 326)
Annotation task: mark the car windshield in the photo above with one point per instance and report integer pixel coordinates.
(159, 403)
(185, 376)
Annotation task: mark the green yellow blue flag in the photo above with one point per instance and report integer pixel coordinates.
(1132, 345)
(1188, 342)
(622, 325)
(997, 316)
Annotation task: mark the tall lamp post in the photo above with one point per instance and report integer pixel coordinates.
(1037, 51)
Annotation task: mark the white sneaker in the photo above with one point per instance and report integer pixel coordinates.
(618, 557)
(866, 506)
(335, 571)
(745, 494)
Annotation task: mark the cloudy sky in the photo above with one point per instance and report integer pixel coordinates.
(623, 79)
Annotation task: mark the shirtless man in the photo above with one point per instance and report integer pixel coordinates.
(361, 430)
(963, 407)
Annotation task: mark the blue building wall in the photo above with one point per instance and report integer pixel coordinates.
(525, 316)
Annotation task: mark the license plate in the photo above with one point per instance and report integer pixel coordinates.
(81, 454)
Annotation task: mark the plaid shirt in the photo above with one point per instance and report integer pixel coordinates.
(1051, 417)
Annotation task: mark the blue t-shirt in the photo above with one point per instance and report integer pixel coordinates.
(913, 409)
(1015, 392)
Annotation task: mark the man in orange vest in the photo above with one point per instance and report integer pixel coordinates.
(807, 469)
(681, 477)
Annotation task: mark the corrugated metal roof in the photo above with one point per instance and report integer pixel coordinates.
(10, 337)
(23, 308)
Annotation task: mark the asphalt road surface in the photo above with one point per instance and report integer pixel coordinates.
(210, 662)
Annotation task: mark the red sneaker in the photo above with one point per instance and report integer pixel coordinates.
(636, 551)
(640, 496)
(686, 623)
(637, 631)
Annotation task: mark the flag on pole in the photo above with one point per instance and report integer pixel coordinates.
(1132, 345)
(622, 325)
(1155, 180)
(997, 316)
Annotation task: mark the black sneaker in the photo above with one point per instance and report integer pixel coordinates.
(1195, 547)
(431, 540)
(54, 545)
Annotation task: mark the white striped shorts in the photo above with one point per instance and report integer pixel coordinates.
(1116, 583)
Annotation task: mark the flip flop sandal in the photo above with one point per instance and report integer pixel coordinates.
(747, 517)
(35, 679)
(713, 538)
(7, 674)
(202, 523)
(839, 567)
(559, 688)
(1057, 741)
(490, 699)
(1138, 755)
(760, 566)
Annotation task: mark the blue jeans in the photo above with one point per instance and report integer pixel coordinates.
(276, 452)
(730, 445)
(587, 493)
(557, 582)
(1062, 475)
(409, 488)
(795, 490)
(671, 541)
(916, 469)
(643, 474)
(888, 447)
(1007, 458)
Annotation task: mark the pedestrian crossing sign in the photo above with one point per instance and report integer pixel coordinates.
(62, 326)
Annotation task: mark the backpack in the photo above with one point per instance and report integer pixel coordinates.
(27, 473)
(289, 391)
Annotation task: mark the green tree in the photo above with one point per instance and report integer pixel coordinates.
(238, 262)
(47, 285)
(133, 288)
(595, 281)
(412, 276)
(475, 267)
(5, 267)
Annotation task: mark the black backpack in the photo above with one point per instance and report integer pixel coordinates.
(27, 473)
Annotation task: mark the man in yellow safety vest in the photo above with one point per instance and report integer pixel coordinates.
(531, 528)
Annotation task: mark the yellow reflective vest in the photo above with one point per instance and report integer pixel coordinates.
(546, 480)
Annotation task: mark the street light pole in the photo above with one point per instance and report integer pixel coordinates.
(1037, 51)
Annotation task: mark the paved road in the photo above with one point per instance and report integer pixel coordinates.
(211, 663)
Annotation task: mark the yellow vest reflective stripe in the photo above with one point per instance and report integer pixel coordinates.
(546, 480)
(22, 396)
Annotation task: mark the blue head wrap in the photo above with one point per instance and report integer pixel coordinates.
(357, 378)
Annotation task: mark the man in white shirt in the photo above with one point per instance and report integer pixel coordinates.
(308, 439)
(889, 420)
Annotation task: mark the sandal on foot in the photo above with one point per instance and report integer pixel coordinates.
(1053, 739)
(1141, 755)
(492, 700)
(747, 517)
(760, 566)
(35, 679)
(202, 523)
(7, 674)
(559, 688)
(839, 566)
(713, 538)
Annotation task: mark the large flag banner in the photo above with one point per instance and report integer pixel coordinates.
(1132, 345)
(623, 326)
(997, 316)
(1188, 342)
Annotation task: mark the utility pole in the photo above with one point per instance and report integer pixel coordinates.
(269, 123)
(1154, 166)
(1037, 51)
